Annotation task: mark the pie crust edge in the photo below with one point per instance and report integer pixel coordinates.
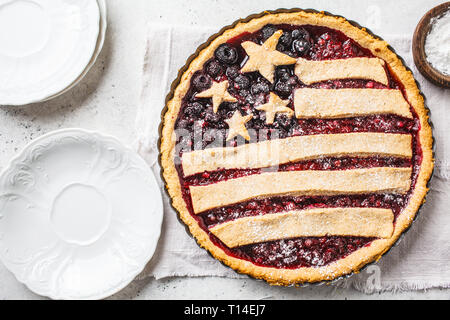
(358, 259)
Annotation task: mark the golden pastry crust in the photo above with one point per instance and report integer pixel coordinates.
(236, 125)
(218, 93)
(380, 49)
(264, 58)
(273, 106)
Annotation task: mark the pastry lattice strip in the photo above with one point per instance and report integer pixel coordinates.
(302, 183)
(279, 151)
(361, 222)
(340, 103)
(310, 71)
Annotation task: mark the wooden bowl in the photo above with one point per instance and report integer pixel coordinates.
(418, 47)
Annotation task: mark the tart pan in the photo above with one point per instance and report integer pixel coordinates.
(176, 82)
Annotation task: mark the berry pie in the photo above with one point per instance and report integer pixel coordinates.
(296, 147)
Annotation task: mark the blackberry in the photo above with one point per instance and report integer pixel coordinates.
(212, 117)
(268, 31)
(285, 42)
(214, 69)
(193, 109)
(183, 124)
(285, 39)
(260, 87)
(244, 92)
(243, 82)
(301, 46)
(232, 72)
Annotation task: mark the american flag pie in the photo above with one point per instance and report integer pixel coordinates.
(296, 146)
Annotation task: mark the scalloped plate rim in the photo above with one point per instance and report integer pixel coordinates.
(159, 209)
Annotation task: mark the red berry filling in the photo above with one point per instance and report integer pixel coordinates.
(301, 252)
(202, 128)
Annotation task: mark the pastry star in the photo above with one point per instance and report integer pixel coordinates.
(274, 106)
(218, 92)
(264, 58)
(237, 125)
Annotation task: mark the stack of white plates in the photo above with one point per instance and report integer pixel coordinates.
(47, 46)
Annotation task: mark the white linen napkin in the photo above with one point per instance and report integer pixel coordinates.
(420, 260)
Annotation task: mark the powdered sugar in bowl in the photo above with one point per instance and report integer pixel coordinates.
(431, 45)
(437, 43)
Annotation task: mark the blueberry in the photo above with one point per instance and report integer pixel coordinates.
(201, 81)
(226, 54)
(260, 87)
(301, 46)
(232, 72)
(283, 74)
(301, 34)
(283, 88)
(268, 31)
(213, 68)
(285, 42)
(242, 81)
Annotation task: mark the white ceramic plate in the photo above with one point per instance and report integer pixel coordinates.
(80, 215)
(98, 49)
(45, 45)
